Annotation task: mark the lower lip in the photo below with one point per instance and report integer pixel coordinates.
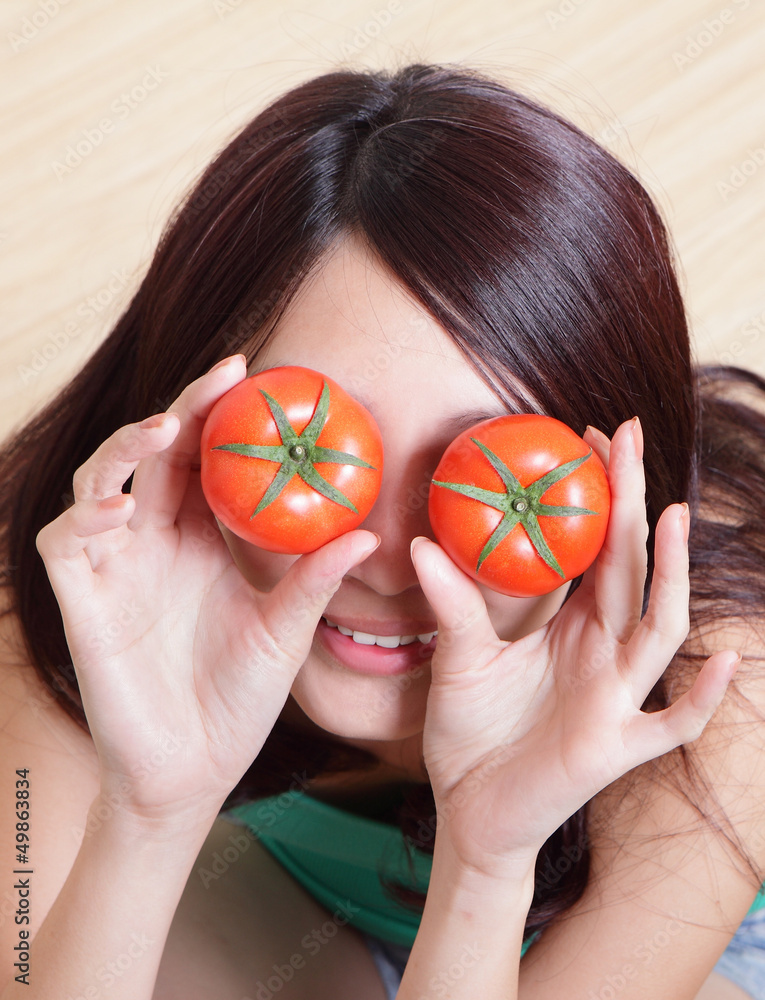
(374, 660)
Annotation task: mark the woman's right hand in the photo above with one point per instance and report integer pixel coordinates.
(171, 645)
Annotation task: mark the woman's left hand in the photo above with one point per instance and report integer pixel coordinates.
(518, 735)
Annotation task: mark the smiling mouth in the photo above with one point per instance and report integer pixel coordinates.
(385, 641)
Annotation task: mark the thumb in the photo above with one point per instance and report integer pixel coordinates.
(466, 636)
(297, 602)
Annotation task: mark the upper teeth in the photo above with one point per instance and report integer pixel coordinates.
(389, 641)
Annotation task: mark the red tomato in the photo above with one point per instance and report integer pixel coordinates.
(289, 460)
(520, 503)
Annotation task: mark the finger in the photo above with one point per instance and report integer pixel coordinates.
(621, 565)
(465, 632)
(62, 542)
(292, 610)
(159, 484)
(685, 720)
(599, 442)
(665, 624)
(114, 461)
(601, 445)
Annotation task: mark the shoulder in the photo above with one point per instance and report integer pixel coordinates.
(239, 910)
(61, 770)
(677, 853)
(31, 718)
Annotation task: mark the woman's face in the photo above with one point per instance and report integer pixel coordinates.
(355, 323)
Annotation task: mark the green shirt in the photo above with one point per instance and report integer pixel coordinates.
(339, 858)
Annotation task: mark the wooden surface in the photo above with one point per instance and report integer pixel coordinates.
(673, 87)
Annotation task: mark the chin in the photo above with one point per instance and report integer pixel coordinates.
(363, 707)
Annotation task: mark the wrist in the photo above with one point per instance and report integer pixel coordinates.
(470, 938)
(473, 887)
(168, 826)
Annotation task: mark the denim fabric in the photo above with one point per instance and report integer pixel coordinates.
(743, 961)
(390, 960)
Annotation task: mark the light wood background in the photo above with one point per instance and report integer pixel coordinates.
(673, 87)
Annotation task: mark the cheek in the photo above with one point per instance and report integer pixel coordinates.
(260, 568)
(515, 617)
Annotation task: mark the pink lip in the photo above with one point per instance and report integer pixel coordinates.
(391, 626)
(374, 660)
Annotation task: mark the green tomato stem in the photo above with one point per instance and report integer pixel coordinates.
(520, 505)
(298, 454)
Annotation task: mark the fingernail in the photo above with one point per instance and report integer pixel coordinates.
(637, 436)
(417, 540)
(733, 665)
(156, 421)
(226, 361)
(685, 520)
(368, 551)
(110, 503)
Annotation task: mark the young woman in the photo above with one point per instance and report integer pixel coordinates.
(230, 797)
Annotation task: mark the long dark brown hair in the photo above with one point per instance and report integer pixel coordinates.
(540, 254)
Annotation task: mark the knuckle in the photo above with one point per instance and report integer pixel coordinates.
(467, 621)
(110, 458)
(43, 539)
(675, 631)
(271, 644)
(611, 557)
(84, 478)
(684, 627)
(693, 730)
(125, 440)
(284, 640)
(49, 536)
